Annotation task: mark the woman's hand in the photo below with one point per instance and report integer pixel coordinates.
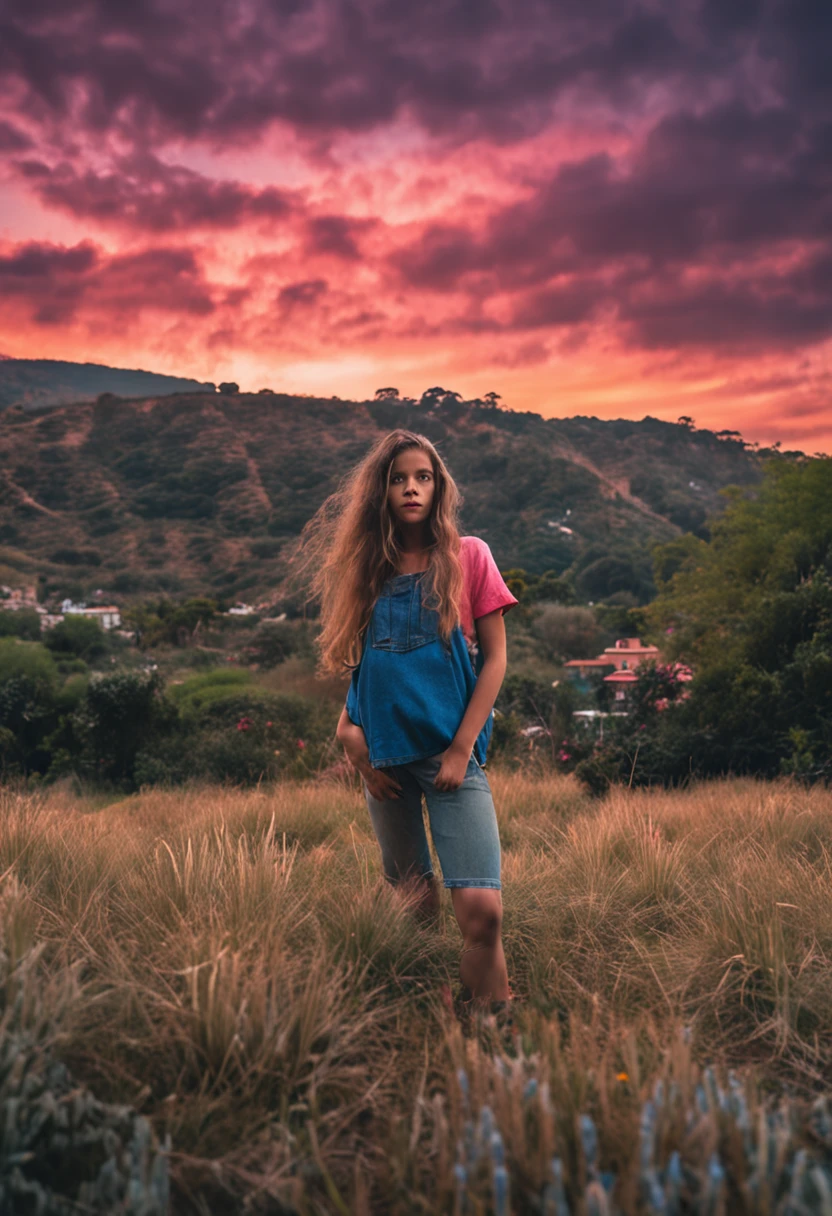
(453, 768)
(380, 782)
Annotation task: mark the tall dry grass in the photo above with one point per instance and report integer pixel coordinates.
(232, 964)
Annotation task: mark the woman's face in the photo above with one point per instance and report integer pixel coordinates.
(412, 486)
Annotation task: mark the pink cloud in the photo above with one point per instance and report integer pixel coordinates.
(631, 206)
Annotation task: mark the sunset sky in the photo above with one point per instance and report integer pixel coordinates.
(589, 206)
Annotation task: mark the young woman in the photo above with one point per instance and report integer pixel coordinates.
(416, 611)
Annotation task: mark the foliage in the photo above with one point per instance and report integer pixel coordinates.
(253, 735)
(751, 611)
(567, 632)
(530, 698)
(171, 622)
(28, 691)
(545, 711)
(122, 728)
(522, 1136)
(197, 692)
(273, 643)
(765, 545)
(530, 588)
(225, 474)
(601, 575)
(651, 745)
(62, 1150)
(121, 713)
(77, 635)
(20, 623)
(621, 621)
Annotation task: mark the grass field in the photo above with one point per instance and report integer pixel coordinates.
(231, 964)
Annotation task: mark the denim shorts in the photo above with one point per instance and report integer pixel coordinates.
(463, 825)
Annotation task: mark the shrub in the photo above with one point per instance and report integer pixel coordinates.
(171, 622)
(23, 623)
(120, 715)
(273, 643)
(256, 735)
(28, 685)
(78, 635)
(611, 574)
(567, 632)
(199, 691)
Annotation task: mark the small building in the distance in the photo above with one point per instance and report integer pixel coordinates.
(12, 599)
(108, 616)
(621, 662)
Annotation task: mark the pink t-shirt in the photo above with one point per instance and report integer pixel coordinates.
(483, 590)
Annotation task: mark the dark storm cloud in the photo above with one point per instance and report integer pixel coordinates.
(770, 313)
(53, 283)
(337, 235)
(302, 294)
(143, 193)
(726, 179)
(710, 192)
(552, 307)
(12, 139)
(728, 104)
(217, 68)
(39, 260)
(47, 281)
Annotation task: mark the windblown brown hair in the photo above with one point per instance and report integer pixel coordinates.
(352, 544)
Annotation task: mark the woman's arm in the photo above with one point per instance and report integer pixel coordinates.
(491, 633)
(380, 783)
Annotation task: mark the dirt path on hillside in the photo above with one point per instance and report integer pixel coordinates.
(23, 496)
(612, 486)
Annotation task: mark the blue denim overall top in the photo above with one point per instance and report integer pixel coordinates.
(411, 689)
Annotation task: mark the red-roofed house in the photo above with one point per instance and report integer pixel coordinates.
(625, 657)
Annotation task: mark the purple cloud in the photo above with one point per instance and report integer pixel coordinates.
(143, 193)
(54, 283)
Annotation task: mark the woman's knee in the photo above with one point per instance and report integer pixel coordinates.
(479, 912)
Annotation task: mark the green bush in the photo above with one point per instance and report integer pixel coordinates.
(20, 623)
(78, 635)
(273, 643)
(28, 711)
(122, 712)
(198, 691)
(567, 632)
(167, 621)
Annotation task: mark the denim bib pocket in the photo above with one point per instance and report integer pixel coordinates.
(399, 622)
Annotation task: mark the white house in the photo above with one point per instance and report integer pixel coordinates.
(107, 616)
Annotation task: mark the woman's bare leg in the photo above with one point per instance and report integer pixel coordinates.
(482, 967)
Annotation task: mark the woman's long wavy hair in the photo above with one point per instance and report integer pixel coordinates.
(352, 545)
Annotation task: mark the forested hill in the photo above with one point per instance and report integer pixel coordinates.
(201, 492)
(36, 383)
